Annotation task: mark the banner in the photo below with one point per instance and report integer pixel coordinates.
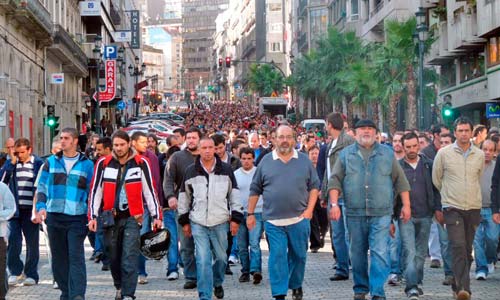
(90, 8)
(135, 29)
(109, 93)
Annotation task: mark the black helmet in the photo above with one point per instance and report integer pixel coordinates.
(154, 244)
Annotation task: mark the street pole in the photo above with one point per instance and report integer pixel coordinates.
(137, 101)
(421, 85)
(97, 106)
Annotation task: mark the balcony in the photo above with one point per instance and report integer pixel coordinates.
(67, 50)
(439, 53)
(8, 5)
(35, 19)
(463, 31)
(487, 15)
(382, 10)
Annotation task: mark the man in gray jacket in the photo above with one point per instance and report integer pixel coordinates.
(7, 210)
(209, 197)
(174, 174)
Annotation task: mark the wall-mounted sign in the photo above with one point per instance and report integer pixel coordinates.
(3, 113)
(57, 78)
(90, 8)
(110, 52)
(109, 93)
(492, 110)
(123, 36)
(135, 29)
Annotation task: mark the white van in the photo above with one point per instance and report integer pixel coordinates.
(311, 124)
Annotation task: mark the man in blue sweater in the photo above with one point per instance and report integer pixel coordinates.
(289, 184)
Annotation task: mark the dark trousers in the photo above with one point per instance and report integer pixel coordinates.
(461, 226)
(123, 240)
(19, 226)
(66, 237)
(4, 287)
(319, 227)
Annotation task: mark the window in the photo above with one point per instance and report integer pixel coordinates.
(275, 47)
(275, 7)
(493, 51)
(447, 77)
(319, 23)
(354, 7)
(471, 67)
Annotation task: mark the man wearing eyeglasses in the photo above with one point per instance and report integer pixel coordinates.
(287, 209)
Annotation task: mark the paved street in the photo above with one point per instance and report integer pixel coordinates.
(316, 285)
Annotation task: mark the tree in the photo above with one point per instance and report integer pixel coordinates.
(265, 79)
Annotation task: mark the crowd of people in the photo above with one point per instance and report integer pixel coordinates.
(233, 174)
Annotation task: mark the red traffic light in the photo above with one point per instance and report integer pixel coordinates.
(228, 62)
(220, 62)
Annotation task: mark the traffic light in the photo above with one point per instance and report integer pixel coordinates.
(56, 126)
(447, 113)
(228, 62)
(220, 62)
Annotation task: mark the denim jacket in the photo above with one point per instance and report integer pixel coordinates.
(367, 186)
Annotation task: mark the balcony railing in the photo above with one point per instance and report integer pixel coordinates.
(8, 5)
(35, 11)
(61, 36)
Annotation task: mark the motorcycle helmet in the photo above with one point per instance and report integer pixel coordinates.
(154, 244)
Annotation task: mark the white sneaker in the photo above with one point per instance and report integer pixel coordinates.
(29, 282)
(125, 298)
(142, 280)
(13, 280)
(480, 276)
(173, 276)
(54, 285)
(232, 260)
(491, 268)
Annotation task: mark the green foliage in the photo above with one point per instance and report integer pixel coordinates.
(265, 79)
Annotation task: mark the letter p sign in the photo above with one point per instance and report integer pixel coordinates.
(110, 52)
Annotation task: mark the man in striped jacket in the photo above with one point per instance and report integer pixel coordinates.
(120, 182)
(19, 174)
(62, 202)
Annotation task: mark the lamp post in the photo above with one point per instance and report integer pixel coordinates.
(97, 57)
(420, 37)
(136, 71)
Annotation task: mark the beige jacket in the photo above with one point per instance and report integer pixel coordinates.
(457, 176)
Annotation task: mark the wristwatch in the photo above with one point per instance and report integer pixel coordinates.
(333, 205)
(250, 214)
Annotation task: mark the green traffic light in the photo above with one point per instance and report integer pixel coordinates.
(51, 122)
(447, 113)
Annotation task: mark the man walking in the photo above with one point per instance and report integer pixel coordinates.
(289, 184)
(340, 140)
(425, 202)
(120, 183)
(251, 261)
(367, 173)
(486, 238)
(208, 198)
(173, 179)
(19, 173)
(457, 174)
(62, 195)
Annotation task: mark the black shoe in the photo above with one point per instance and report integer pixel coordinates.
(245, 277)
(105, 268)
(189, 285)
(98, 257)
(257, 278)
(314, 250)
(219, 292)
(228, 270)
(94, 254)
(338, 277)
(297, 294)
(279, 297)
(360, 296)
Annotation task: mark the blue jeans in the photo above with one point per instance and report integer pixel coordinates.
(251, 261)
(395, 252)
(173, 250)
(100, 246)
(211, 245)
(287, 255)
(445, 249)
(369, 233)
(124, 241)
(19, 226)
(187, 254)
(146, 227)
(486, 241)
(340, 238)
(66, 237)
(414, 237)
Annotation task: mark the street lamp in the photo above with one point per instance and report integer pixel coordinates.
(420, 36)
(136, 71)
(97, 57)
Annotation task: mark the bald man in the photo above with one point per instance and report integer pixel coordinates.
(287, 209)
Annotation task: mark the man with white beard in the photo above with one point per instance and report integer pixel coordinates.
(367, 174)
